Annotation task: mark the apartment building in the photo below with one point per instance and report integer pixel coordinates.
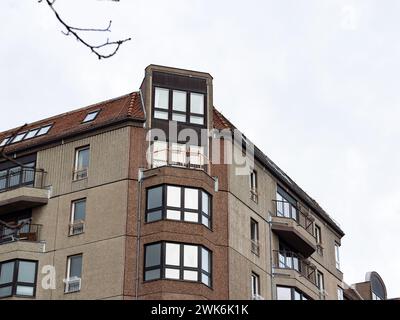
(156, 195)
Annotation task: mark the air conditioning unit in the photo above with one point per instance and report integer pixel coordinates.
(72, 284)
(257, 297)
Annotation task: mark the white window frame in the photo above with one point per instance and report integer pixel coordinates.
(70, 279)
(337, 255)
(83, 171)
(79, 223)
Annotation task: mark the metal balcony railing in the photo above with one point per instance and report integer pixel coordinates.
(23, 232)
(285, 209)
(290, 260)
(18, 177)
(179, 158)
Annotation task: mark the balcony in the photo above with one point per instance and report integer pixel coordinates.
(179, 155)
(293, 261)
(25, 231)
(294, 226)
(22, 188)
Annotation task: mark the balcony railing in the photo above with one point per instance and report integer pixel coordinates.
(179, 158)
(21, 177)
(289, 260)
(23, 232)
(285, 209)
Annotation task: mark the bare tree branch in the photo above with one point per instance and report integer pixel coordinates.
(70, 30)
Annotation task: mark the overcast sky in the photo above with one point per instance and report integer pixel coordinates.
(313, 83)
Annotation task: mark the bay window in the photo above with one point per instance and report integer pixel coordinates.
(18, 278)
(178, 203)
(177, 261)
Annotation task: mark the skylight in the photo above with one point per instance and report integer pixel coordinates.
(91, 116)
(41, 131)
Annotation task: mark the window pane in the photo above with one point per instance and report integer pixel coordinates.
(161, 98)
(196, 120)
(197, 103)
(152, 274)
(205, 221)
(4, 142)
(5, 292)
(161, 115)
(192, 216)
(173, 196)
(31, 134)
(75, 266)
(153, 255)
(79, 210)
(159, 156)
(197, 155)
(190, 258)
(171, 273)
(283, 293)
(205, 279)
(178, 153)
(25, 291)
(191, 198)
(154, 198)
(154, 216)
(179, 117)
(173, 215)
(205, 260)
(179, 101)
(15, 175)
(19, 137)
(205, 202)
(91, 116)
(190, 275)
(43, 130)
(172, 254)
(26, 271)
(83, 159)
(7, 272)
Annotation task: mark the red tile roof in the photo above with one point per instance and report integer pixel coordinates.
(111, 111)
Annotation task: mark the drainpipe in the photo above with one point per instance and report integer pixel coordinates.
(138, 229)
(270, 254)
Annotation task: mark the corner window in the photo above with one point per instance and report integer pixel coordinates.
(177, 261)
(180, 106)
(81, 163)
(91, 116)
(18, 278)
(78, 215)
(337, 256)
(178, 203)
(74, 274)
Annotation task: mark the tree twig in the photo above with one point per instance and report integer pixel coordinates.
(70, 30)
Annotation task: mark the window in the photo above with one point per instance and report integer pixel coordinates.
(18, 278)
(78, 214)
(91, 116)
(74, 274)
(81, 163)
(288, 293)
(26, 135)
(337, 256)
(317, 233)
(180, 106)
(375, 296)
(320, 281)
(178, 203)
(286, 206)
(253, 185)
(255, 248)
(340, 293)
(255, 285)
(177, 261)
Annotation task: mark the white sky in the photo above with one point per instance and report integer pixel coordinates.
(313, 83)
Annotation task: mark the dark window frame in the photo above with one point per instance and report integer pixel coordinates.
(14, 284)
(186, 113)
(164, 207)
(96, 114)
(163, 265)
(293, 290)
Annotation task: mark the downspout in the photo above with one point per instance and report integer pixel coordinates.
(270, 254)
(138, 228)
